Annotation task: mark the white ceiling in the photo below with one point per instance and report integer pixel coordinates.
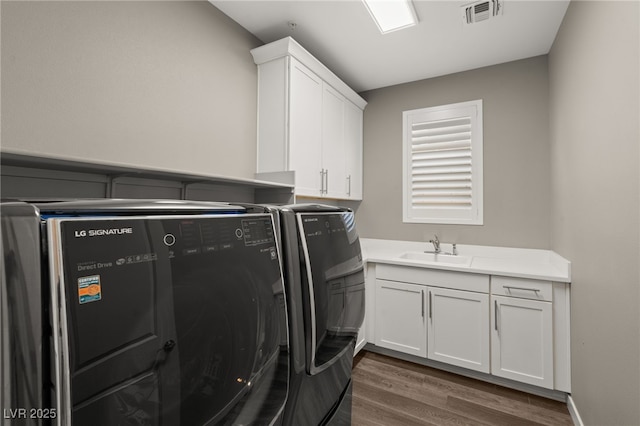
(342, 35)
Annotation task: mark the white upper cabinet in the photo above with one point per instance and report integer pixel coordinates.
(305, 128)
(333, 143)
(353, 154)
(309, 123)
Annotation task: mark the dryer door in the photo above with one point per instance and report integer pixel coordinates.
(334, 285)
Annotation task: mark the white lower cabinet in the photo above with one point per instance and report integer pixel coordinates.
(400, 317)
(441, 324)
(458, 328)
(514, 328)
(522, 340)
(361, 340)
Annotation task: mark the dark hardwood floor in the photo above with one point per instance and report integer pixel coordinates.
(393, 392)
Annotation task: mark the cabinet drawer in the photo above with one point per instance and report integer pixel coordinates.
(434, 277)
(522, 288)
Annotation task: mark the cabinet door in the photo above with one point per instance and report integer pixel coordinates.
(305, 129)
(353, 150)
(400, 317)
(333, 150)
(361, 339)
(272, 115)
(458, 328)
(522, 340)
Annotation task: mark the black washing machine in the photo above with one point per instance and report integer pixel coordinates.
(324, 284)
(140, 312)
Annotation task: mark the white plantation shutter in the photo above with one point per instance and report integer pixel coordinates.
(443, 164)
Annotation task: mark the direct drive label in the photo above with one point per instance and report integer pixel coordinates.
(89, 289)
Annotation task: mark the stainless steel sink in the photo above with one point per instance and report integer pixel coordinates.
(437, 258)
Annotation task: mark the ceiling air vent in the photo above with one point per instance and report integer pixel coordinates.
(481, 11)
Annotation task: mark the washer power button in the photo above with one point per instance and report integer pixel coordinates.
(169, 240)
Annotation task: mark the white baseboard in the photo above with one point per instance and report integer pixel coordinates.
(573, 410)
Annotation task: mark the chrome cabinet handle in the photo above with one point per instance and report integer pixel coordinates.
(522, 288)
(349, 185)
(399, 289)
(495, 318)
(430, 307)
(422, 294)
(324, 181)
(326, 178)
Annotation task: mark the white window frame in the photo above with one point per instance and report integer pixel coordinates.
(471, 211)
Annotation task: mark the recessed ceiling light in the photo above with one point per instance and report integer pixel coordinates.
(392, 15)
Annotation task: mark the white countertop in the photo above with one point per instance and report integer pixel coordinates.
(505, 261)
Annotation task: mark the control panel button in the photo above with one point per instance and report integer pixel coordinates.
(169, 240)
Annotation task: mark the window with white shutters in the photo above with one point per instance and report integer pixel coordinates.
(443, 164)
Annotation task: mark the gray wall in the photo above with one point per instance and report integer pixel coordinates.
(149, 83)
(165, 85)
(516, 155)
(595, 139)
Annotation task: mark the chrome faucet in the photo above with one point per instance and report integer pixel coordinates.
(438, 250)
(436, 244)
